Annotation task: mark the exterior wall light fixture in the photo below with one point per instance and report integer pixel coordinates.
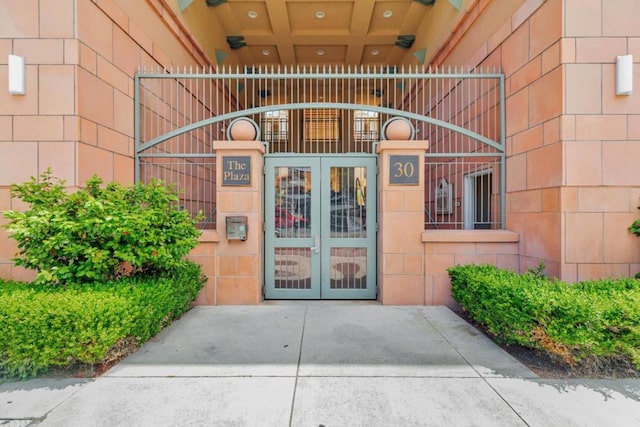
(16, 75)
(236, 42)
(624, 75)
(214, 3)
(405, 41)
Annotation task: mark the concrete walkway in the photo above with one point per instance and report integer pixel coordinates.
(320, 364)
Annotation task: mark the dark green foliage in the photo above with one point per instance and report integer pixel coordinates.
(575, 323)
(96, 234)
(635, 227)
(45, 326)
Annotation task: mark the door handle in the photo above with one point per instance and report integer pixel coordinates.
(316, 245)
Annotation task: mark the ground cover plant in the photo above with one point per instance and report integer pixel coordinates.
(584, 325)
(110, 272)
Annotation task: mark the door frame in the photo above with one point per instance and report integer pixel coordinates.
(470, 196)
(320, 265)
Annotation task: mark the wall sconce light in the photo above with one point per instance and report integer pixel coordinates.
(16, 75)
(624, 75)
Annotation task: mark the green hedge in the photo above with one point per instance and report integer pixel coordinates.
(579, 323)
(44, 326)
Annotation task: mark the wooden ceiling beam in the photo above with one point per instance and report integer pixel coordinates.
(323, 40)
(279, 17)
(362, 14)
(413, 18)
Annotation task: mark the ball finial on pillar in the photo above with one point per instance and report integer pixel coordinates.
(243, 129)
(397, 128)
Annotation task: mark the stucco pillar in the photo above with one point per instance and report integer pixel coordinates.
(239, 194)
(401, 218)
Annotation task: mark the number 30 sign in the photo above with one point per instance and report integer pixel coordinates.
(403, 170)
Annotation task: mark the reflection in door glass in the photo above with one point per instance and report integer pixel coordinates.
(348, 268)
(348, 202)
(292, 269)
(292, 201)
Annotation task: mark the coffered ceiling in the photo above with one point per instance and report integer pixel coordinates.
(321, 32)
(301, 32)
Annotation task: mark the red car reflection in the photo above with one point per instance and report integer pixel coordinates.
(285, 219)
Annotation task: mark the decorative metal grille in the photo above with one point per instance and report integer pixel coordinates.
(330, 110)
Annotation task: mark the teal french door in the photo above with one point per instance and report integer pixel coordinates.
(320, 227)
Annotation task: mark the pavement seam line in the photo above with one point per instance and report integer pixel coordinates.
(424, 316)
(44, 417)
(295, 384)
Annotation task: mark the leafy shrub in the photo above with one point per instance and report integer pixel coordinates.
(45, 326)
(98, 233)
(579, 323)
(635, 227)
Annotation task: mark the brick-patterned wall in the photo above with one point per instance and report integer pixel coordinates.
(77, 114)
(572, 144)
(444, 249)
(528, 49)
(601, 134)
(40, 129)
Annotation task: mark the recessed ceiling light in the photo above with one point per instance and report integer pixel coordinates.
(320, 14)
(252, 14)
(387, 14)
(375, 52)
(266, 52)
(319, 52)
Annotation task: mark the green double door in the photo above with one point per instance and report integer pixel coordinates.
(320, 227)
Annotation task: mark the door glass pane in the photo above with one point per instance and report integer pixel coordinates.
(292, 268)
(348, 200)
(292, 202)
(348, 268)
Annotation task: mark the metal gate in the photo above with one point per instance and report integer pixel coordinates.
(311, 120)
(320, 227)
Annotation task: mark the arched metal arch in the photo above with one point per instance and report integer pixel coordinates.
(140, 147)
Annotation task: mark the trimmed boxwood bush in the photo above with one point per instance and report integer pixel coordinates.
(48, 326)
(583, 323)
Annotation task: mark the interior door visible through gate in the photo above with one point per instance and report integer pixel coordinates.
(320, 226)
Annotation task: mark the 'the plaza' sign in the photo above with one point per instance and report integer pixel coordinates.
(236, 170)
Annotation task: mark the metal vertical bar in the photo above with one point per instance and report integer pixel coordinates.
(477, 111)
(136, 120)
(189, 92)
(154, 122)
(303, 118)
(209, 106)
(168, 118)
(185, 109)
(343, 132)
(503, 172)
(219, 86)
